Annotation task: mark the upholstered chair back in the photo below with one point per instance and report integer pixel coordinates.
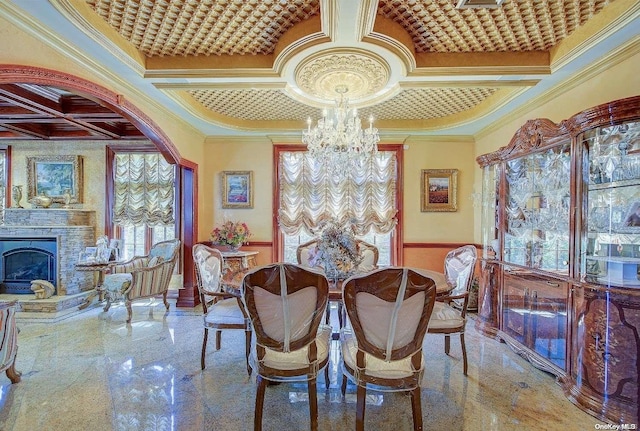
(389, 311)
(459, 265)
(285, 303)
(208, 262)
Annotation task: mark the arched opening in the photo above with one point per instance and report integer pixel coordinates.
(186, 174)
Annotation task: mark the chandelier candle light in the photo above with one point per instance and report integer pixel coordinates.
(339, 140)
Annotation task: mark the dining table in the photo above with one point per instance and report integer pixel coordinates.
(335, 293)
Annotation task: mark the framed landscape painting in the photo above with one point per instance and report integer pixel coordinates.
(237, 189)
(438, 190)
(54, 176)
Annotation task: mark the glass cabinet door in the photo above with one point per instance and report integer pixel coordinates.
(490, 193)
(611, 239)
(538, 195)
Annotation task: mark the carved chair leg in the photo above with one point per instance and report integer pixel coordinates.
(257, 418)
(464, 354)
(218, 338)
(313, 404)
(343, 387)
(247, 349)
(129, 311)
(164, 299)
(12, 374)
(361, 395)
(447, 344)
(416, 408)
(204, 347)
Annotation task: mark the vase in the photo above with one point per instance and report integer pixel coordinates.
(227, 247)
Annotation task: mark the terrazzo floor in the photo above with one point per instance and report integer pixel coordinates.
(92, 371)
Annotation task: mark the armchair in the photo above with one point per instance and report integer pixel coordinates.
(8, 340)
(142, 276)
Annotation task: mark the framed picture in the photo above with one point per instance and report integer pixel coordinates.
(59, 177)
(237, 189)
(438, 190)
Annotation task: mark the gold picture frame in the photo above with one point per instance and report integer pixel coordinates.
(237, 189)
(53, 176)
(439, 190)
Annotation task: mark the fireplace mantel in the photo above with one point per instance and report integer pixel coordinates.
(74, 230)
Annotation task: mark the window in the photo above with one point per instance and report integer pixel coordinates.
(144, 201)
(308, 194)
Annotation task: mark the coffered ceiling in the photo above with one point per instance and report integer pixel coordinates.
(430, 66)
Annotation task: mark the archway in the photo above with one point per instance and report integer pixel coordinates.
(187, 170)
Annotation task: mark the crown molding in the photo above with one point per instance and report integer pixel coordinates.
(614, 57)
(471, 83)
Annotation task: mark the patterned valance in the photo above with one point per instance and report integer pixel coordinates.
(310, 194)
(144, 190)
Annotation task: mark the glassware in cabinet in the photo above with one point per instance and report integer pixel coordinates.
(611, 244)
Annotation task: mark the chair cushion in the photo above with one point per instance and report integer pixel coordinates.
(117, 283)
(163, 250)
(374, 367)
(445, 317)
(376, 324)
(298, 358)
(302, 305)
(226, 312)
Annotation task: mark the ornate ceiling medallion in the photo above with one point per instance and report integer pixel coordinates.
(363, 73)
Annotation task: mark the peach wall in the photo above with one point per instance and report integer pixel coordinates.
(456, 227)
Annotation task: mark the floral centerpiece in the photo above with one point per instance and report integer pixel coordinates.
(337, 251)
(230, 235)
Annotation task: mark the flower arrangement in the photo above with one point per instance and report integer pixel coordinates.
(231, 234)
(337, 251)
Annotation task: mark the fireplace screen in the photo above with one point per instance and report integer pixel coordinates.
(25, 261)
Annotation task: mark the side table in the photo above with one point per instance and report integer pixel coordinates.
(99, 269)
(235, 265)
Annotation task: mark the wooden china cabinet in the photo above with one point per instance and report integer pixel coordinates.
(561, 261)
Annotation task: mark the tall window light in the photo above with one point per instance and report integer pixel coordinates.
(144, 201)
(309, 194)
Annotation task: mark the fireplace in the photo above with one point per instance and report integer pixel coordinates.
(25, 259)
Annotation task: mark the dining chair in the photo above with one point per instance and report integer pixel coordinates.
(285, 303)
(450, 311)
(222, 310)
(389, 310)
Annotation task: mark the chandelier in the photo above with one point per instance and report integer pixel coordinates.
(338, 140)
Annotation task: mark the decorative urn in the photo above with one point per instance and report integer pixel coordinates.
(42, 200)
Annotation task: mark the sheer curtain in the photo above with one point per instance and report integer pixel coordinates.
(310, 194)
(144, 190)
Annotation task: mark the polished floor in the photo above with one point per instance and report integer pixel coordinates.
(92, 371)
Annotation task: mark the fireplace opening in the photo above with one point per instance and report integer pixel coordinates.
(24, 260)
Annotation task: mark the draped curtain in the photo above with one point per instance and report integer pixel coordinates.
(311, 194)
(144, 190)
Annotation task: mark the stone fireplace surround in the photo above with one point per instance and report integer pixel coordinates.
(74, 230)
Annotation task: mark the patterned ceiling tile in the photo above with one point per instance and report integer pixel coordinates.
(254, 104)
(428, 103)
(207, 27)
(275, 105)
(518, 25)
